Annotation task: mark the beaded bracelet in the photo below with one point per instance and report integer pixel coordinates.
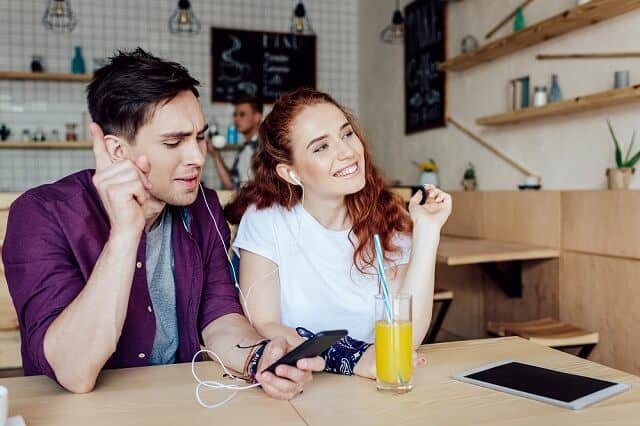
(252, 368)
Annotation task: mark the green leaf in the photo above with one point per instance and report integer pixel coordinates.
(633, 137)
(633, 160)
(615, 141)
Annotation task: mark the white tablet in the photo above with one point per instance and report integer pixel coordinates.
(550, 386)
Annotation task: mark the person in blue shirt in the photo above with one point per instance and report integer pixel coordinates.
(247, 115)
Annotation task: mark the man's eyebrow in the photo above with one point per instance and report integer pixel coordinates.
(179, 135)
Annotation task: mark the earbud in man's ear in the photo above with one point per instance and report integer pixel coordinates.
(294, 178)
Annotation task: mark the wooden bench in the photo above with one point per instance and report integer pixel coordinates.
(548, 332)
(444, 298)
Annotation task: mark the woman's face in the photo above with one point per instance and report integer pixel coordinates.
(328, 156)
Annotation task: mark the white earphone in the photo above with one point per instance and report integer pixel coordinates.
(211, 384)
(294, 178)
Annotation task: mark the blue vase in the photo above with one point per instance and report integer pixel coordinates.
(77, 63)
(555, 94)
(429, 178)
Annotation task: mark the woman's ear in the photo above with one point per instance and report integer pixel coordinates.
(287, 174)
(116, 147)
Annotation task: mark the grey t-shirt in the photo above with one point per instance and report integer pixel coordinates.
(162, 290)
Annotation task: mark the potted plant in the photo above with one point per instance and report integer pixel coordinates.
(429, 172)
(619, 177)
(469, 182)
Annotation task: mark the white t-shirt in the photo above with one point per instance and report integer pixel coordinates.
(320, 288)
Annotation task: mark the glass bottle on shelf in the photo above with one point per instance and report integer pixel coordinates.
(518, 21)
(232, 135)
(540, 96)
(70, 134)
(77, 63)
(26, 135)
(555, 93)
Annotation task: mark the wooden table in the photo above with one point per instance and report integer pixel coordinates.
(466, 251)
(502, 261)
(165, 396)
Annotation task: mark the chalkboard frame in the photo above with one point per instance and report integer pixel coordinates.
(260, 33)
(442, 121)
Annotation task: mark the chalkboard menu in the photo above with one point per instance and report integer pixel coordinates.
(259, 63)
(424, 48)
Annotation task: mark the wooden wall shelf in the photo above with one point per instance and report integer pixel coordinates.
(45, 145)
(579, 17)
(69, 145)
(581, 103)
(44, 76)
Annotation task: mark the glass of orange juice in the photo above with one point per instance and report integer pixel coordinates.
(393, 343)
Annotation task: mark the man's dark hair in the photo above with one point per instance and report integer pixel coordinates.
(255, 103)
(124, 94)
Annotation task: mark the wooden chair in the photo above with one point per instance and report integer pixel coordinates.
(548, 332)
(444, 298)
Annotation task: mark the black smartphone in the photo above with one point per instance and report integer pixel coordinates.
(425, 194)
(309, 349)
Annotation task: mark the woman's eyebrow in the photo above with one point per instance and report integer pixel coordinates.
(319, 138)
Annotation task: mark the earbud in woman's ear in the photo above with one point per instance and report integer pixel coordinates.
(294, 178)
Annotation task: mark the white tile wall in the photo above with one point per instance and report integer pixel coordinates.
(105, 26)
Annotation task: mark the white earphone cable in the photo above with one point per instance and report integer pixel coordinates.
(211, 384)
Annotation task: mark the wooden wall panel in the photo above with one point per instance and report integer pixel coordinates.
(529, 217)
(467, 215)
(603, 294)
(465, 318)
(540, 281)
(602, 222)
(6, 198)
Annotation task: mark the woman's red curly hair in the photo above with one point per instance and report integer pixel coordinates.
(373, 210)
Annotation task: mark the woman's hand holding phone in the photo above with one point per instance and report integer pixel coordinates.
(288, 381)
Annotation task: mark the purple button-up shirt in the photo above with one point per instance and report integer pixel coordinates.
(55, 235)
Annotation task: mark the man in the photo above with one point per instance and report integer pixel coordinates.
(125, 267)
(247, 114)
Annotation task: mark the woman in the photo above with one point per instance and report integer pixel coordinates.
(306, 230)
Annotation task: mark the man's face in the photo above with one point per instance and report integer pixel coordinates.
(174, 143)
(246, 119)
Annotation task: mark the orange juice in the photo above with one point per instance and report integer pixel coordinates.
(393, 353)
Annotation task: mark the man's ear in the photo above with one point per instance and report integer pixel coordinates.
(116, 147)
